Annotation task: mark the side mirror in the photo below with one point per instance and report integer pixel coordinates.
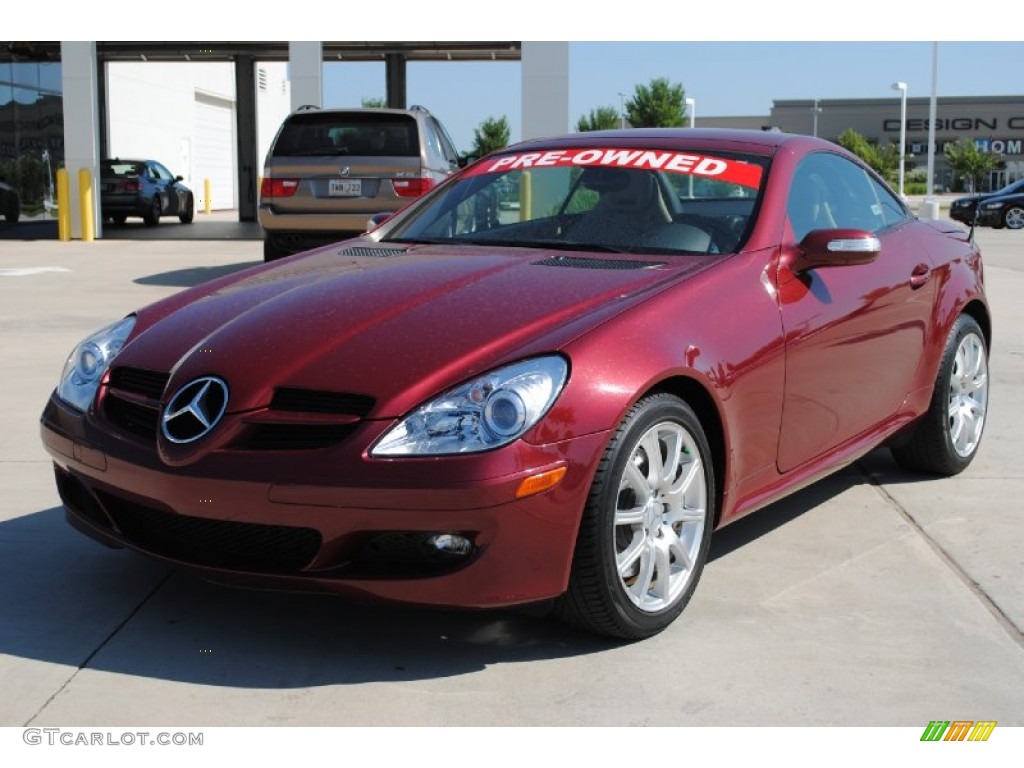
(179, 178)
(836, 248)
(465, 160)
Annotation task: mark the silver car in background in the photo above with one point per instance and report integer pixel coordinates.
(329, 170)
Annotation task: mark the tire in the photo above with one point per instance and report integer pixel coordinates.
(946, 439)
(13, 214)
(186, 216)
(152, 216)
(1013, 217)
(272, 252)
(669, 532)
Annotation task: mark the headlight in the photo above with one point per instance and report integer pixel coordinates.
(490, 411)
(991, 206)
(89, 361)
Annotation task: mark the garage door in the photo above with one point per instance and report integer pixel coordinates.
(213, 151)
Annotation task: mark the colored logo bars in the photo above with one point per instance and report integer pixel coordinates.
(958, 730)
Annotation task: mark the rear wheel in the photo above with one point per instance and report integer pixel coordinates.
(946, 439)
(646, 528)
(1013, 218)
(152, 216)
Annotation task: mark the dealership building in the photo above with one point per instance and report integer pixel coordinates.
(208, 111)
(995, 123)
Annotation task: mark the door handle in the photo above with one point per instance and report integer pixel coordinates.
(919, 276)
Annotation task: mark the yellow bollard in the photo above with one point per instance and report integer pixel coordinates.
(63, 205)
(207, 206)
(85, 204)
(525, 197)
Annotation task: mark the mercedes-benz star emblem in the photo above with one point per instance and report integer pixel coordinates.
(194, 410)
(345, 170)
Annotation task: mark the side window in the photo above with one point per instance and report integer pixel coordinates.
(162, 173)
(433, 141)
(829, 191)
(447, 147)
(892, 211)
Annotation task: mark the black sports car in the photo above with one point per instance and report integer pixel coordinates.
(963, 208)
(143, 188)
(1004, 211)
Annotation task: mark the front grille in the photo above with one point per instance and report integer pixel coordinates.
(225, 544)
(315, 401)
(141, 419)
(581, 263)
(134, 418)
(290, 437)
(361, 251)
(150, 384)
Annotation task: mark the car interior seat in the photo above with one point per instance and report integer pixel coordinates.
(630, 204)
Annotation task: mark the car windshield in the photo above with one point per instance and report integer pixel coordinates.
(601, 199)
(348, 133)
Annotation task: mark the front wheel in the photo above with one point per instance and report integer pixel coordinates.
(1013, 218)
(186, 216)
(647, 524)
(946, 439)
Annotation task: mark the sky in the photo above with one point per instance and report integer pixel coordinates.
(732, 57)
(724, 78)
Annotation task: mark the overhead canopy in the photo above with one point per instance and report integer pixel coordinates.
(272, 51)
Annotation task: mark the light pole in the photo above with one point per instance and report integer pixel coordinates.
(815, 111)
(622, 110)
(902, 88)
(691, 110)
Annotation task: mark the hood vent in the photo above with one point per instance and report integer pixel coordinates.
(360, 251)
(316, 401)
(582, 263)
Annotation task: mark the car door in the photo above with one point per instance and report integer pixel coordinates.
(168, 190)
(853, 333)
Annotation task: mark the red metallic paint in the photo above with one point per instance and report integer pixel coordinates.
(804, 373)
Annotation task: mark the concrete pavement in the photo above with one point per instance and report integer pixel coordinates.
(871, 598)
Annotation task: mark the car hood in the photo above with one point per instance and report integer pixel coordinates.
(397, 323)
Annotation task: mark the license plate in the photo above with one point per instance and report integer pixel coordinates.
(345, 187)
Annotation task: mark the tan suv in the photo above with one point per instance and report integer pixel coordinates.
(329, 170)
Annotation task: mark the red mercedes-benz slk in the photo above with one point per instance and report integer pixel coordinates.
(550, 378)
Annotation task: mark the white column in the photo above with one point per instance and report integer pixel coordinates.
(81, 125)
(305, 72)
(545, 73)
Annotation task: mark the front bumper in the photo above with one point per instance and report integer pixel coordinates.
(965, 215)
(275, 520)
(990, 217)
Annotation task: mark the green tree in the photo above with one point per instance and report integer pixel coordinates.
(970, 162)
(884, 160)
(660, 104)
(600, 119)
(490, 135)
(373, 102)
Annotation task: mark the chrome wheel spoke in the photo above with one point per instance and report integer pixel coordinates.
(642, 585)
(626, 560)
